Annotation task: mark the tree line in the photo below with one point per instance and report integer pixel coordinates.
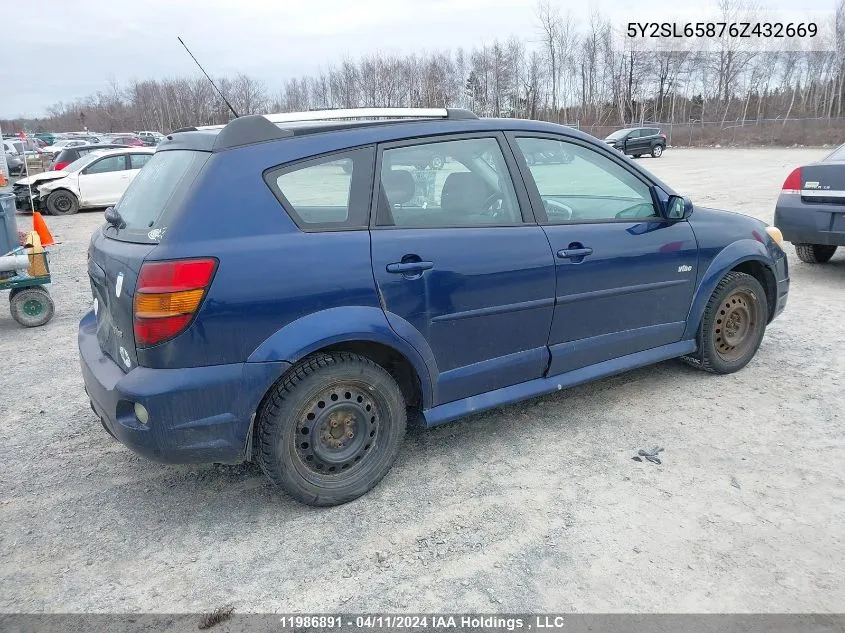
(569, 72)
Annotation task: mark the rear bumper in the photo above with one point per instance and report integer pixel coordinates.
(803, 223)
(196, 415)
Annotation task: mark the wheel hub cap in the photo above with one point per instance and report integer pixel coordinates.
(33, 308)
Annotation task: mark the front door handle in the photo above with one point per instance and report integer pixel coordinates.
(574, 253)
(409, 267)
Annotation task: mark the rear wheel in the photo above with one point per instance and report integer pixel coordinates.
(733, 325)
(331, 429)
(31, 307)
(814, 253)
(657, 151)
(62, 202)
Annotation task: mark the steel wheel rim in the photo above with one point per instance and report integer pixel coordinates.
(62, 203)
(735, 326)
(337, 429)
(32, 308)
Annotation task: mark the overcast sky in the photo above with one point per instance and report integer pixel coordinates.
(58, 50)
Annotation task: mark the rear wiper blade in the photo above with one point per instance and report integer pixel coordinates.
(114, 218)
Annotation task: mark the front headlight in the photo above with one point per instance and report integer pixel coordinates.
(775, 234)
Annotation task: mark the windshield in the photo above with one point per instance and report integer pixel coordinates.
(838, 154)
(148, 203)
(618, 134)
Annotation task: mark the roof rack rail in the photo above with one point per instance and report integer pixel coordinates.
(370, 113)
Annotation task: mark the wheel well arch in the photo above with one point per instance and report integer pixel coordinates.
(762, 273)
(387, 357)
(392, 360)
(65, 190)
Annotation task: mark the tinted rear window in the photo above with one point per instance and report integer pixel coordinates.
(148, 203)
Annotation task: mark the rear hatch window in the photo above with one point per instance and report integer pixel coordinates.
(149, 202)
(116, 255)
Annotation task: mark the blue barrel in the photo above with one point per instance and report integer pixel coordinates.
(8, 224)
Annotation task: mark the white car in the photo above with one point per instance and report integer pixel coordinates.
(58, 146)
(97, 179)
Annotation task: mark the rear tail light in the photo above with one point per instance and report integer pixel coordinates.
(792, 184)
(59, 166)
(168, 296)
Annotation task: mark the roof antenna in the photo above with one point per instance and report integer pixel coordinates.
(207, 77)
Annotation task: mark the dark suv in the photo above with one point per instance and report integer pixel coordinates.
(288, 292)
(638, 141)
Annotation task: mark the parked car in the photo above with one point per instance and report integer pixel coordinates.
(48, 139)
(638, 141)
(70, 154)
(127, 141)
(58, 146)
(97, 179)
(14, 160)
(811, 208)
(150, 138)
(223, 337)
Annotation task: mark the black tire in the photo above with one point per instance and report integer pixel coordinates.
(31, 307)
(733, 325)
(657, 151)
(62, 202)
(814, 253)
(331, 429)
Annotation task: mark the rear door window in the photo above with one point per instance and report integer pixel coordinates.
(153, 195)
(447, 184)
(136, 161)
(331, 192)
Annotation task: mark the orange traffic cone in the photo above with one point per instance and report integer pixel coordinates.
(40, 227)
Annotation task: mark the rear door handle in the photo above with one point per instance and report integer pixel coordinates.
(409, 267)
(572, 253)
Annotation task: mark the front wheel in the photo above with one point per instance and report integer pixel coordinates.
(657, 151)
(733, 325)
(62, 202)
(331, 429)
(814, 253)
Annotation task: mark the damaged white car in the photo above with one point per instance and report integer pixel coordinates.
(97, 179)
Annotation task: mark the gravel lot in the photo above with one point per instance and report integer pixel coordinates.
(537, 506)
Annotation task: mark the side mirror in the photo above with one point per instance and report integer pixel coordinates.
(678, 208)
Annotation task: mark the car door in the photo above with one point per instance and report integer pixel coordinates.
(104, 181)
(457, 255)
(634, 142)
(625, 275)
